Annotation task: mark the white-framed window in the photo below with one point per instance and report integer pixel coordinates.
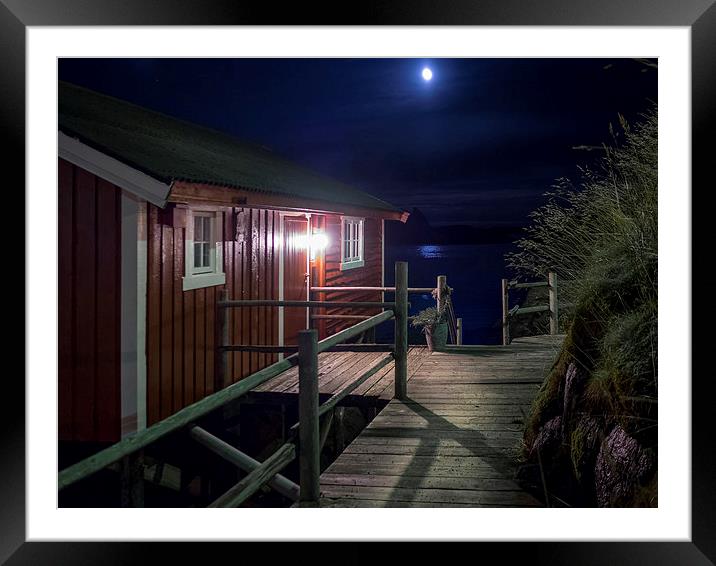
(203, 250)
(352, 242)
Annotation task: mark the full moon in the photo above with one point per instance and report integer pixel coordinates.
(427, 74)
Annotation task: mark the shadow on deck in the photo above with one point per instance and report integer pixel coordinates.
(453, 442)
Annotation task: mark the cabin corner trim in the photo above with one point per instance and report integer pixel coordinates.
(112, 170)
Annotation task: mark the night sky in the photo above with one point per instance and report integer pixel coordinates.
(478, 144)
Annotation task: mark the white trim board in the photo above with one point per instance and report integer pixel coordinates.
(133, 293)
(112, 170)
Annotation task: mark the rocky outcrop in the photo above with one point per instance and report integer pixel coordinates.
(622, 465)
(590, 459)
(548, 440)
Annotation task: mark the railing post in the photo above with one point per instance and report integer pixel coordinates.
(553, 306)
(132, 480)
(440, 287)
(505, 313)
(222, 316)
(401, 329)
(309, 448)
(459, 332)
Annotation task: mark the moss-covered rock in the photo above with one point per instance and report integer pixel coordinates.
(622, 466)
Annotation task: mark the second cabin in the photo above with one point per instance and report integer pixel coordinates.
(158, 217)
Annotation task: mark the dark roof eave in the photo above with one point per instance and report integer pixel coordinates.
(188, 191)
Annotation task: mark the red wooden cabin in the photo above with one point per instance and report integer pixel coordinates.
(156, 217)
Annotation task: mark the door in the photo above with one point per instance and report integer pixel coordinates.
(295, 276)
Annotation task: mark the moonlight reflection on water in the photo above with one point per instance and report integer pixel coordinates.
(431, 252)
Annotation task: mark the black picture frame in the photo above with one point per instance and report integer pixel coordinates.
(699, 15)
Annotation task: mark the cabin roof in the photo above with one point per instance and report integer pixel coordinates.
(169, 149)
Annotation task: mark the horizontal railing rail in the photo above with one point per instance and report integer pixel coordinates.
(552, 308)
(307, 304)
(338, 288)
(529, 285)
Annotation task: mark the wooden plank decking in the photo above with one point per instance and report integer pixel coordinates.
(453, 441)
(336, 370)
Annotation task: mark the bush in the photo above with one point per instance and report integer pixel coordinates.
(600, 237)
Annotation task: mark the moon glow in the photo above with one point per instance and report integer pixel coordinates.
(427, 74)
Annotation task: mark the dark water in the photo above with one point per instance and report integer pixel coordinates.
(474, 273)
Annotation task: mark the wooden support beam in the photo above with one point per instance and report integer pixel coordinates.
(132, 480)
(309, 455)
(326, 421)
(401, 329)
(257, 478)
(339, 437)
(459, 332)
(231, 454)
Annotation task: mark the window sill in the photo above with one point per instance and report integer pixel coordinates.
(201, 280)
(352, 265)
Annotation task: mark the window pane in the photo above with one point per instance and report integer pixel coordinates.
(205, 255)
(207, 229)
(197, 255)
(198, 230)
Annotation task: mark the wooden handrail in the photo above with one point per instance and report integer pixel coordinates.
(306, 304)
(529, 310)
(515, 285)
(354, 330)
(338, 289)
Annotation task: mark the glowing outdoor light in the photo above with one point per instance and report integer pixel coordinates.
(316, 244)
(319, 241)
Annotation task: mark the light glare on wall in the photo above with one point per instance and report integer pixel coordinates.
(318, 242)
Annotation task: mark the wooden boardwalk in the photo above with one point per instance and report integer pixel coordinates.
(453, 442)
(338, 369)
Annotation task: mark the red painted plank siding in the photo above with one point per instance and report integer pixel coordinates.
(369, 275)
(89, 264)
(181, 325)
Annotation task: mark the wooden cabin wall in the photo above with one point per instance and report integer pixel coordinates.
(89, 306)
(182, 326)
(369, 275)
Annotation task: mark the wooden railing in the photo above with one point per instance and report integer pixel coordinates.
(552, 307)
(311, 432)
(441, 292)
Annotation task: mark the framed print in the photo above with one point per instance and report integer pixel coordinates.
(427, 283)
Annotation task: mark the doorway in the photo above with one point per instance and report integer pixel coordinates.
(295, 276)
